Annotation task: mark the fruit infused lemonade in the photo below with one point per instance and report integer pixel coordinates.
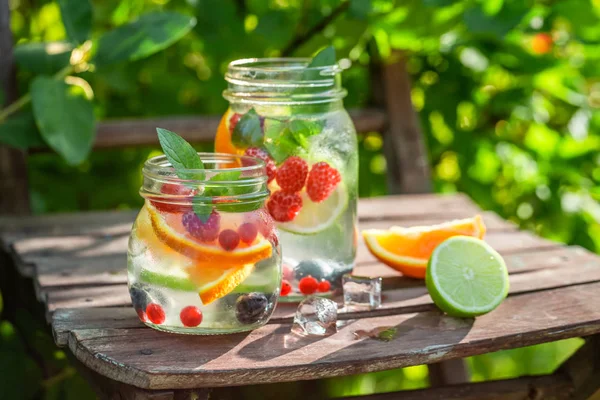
(203, 254)
(289, 113)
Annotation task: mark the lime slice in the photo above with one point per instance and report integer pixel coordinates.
(168, 281)
(466, 277)
(316, 217)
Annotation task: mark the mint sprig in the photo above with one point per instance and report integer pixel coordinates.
(288, 138)
(183, 157)
(180, 154)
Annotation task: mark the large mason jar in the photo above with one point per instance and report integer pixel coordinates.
(203, 255)
(292, 116)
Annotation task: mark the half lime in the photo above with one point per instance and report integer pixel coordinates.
(466, 277)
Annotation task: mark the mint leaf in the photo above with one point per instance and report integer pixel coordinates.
(182, 157)
(180, 154)
(323, 58)
(219, 190)
(202, 210)
(280, 141)
(248, 131)
(302, 130)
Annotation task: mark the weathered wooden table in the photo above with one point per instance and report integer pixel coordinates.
(77, 265)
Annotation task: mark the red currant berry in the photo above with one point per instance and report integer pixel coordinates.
(324, 286)
(248, 232)
(229, 239)
(286, 288)
(190, 316)
(142, 315)
(155, 313)
(308, 285)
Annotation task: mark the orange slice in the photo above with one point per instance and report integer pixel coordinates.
(216, 282)
(170, 230)
(408, 249)
(223, 140)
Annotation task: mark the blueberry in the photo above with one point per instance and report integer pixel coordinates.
(318, 269)
(251, 308)
(139, 297)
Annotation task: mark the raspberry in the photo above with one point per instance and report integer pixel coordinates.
(292, 174)
(322, 181)
(324, 286)
(229, 239)
(263, 155)
(286, 288)
(203, 231)
(176, 190)
(248, 232)
(233, 120)
(155, 313)
(308, 285)
(190, 316)
(284, 206)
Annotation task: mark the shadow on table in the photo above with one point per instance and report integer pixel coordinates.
(421, 339)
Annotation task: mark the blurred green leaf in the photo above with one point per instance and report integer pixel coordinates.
(43, 58)
(20, 132)
(542, 140)
(583, 16)
(77, 18)
(146, 36)
(360, 9)
(496, 26)
(323, 58)
(65, 118)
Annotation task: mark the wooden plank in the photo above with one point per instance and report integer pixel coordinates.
(150, 359)
(409, 206)
(583, 369)
(196, 129)
(492, 221)
(394, 301)
(401, 294)
(503, 242)
(547, 387)
(404, 143)
(545, 258)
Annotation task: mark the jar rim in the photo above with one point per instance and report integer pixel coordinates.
(249, 186)
(249, 166)
(281, 64)
(282, 81)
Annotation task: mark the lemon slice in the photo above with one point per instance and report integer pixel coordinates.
(317, 217)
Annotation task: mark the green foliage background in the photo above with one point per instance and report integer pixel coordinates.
(515, 129)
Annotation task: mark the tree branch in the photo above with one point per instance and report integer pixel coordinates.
(318, 28)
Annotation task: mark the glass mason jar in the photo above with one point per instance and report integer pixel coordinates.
(293, 117)
(203, 256)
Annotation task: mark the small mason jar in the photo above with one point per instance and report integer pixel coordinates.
(203, 256)
(292, 116)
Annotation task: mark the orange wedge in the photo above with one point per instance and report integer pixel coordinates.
(408, 249)
(216, 282)
(170, 230)
(223, 140)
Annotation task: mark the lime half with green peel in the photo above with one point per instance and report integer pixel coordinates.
(317, 217)
(466, 277)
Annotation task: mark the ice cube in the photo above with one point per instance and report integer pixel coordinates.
(361, 292)
(315, 316)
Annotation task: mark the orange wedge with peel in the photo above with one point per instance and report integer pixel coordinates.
(216, 282)
(170, 230)
(407, 250)
(223, 142)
